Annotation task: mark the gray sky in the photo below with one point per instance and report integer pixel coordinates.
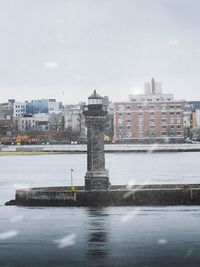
(65, 48)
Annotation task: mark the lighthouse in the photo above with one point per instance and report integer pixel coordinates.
(97, 177)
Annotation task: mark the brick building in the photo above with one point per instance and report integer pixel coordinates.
(153, 117)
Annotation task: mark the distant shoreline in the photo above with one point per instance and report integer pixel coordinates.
(109, 148)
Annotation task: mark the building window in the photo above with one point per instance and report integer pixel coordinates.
(128, 134)
(140, 115)
(120, 107)
(120, 121)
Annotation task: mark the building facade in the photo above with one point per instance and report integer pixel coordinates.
(149, 118)
(43, 106)
(19, 109)
(197, 118)
(37, 122)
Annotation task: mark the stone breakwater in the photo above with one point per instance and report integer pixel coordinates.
(138, 195)
(112, 148)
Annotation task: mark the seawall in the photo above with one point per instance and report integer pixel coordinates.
(109, 148)
(117, 196)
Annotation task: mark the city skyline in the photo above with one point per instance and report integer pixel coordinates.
(65, 49)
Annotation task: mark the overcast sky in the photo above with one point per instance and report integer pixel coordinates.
(66, 48)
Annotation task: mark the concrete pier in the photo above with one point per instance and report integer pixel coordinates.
(138, 195)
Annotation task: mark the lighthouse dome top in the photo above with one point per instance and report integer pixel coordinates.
(95, 99)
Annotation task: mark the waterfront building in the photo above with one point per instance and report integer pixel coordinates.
(191, 117)
(56, 122)
(6, 127)
(197, 112)
(43, 106)
(72, 117)
(193, 105)
(74, 120)
(39, 122)
(42, 122)
(148, 118)
(6, 110)
(19, 109)
(27, 123)
(195, 133)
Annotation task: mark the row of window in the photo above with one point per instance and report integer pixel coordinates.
(19, 110)
(140, 127)
(120, 115)
(151, 99)
(140, 107)
(151, 121)
(29, 121)
(19, 106)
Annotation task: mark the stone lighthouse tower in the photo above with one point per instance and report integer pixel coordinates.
(97, 177)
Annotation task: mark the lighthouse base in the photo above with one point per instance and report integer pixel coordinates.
(97, 180)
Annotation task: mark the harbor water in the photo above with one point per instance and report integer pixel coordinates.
(107, 236)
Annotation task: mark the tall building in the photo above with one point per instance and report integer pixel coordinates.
(151, 117)
(43, 106)
(19, 109)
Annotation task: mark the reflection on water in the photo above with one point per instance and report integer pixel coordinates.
(97, 235)
(110, 236)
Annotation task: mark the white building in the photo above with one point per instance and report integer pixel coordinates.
(187, 119)
(197, 117)
(39, 122)
(19, 109)
(53, 106)
(72, 116)
(25, 123)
